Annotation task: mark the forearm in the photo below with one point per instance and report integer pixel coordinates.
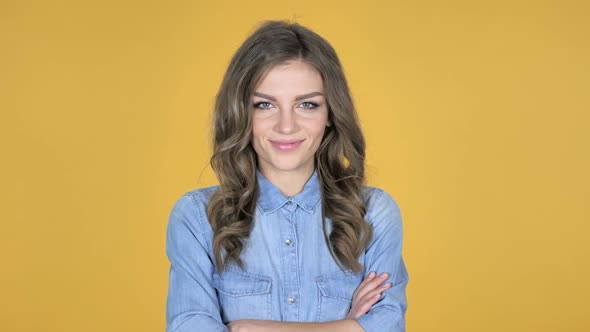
(344, 325)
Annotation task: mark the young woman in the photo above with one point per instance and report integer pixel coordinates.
(292, 239)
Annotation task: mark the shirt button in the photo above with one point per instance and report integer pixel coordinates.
(288, 242)
(288, 202)
(291, 299)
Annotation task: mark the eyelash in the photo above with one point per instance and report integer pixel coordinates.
(313, 105)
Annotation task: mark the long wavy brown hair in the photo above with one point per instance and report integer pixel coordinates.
(339, 160)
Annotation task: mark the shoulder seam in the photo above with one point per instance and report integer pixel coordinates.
(379, 193)
(199, 215)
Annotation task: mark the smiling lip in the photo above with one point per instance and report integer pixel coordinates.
(286, 145)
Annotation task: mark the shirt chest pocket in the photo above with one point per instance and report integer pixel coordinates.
(243, 295)
(335, 292)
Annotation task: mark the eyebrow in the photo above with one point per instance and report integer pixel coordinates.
(307, 95)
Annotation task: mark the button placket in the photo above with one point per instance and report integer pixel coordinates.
(289, 262)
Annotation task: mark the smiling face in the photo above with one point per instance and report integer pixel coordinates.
(289, 118)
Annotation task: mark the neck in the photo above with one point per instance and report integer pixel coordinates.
(290, 183)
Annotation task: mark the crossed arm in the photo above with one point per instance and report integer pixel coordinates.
(365, 296)
(247, 325)
(192, 303)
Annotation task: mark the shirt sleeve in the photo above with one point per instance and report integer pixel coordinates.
(192, 303)
(384, 254)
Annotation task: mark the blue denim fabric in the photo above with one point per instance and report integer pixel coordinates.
(289, 273)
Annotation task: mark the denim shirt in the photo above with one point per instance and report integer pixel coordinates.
(289, 273)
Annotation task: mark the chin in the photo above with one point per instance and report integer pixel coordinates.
(285, 165)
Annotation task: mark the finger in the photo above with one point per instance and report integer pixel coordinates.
(376, 292)
(365, 305)
(372, 284)
(369, 302)
(369, 277)
(371, 296)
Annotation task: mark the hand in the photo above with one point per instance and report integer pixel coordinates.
(238, 326)
(367, 294)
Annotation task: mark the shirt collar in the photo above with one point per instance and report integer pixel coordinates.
(270, 197)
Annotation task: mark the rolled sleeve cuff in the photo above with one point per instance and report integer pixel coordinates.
(199, 322)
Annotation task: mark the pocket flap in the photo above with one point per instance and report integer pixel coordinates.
(340, 285)
(236, 283)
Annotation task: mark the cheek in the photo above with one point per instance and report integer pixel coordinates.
(318, 130)
(258, 130)
(258, 137)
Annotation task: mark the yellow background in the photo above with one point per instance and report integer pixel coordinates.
(476, 116)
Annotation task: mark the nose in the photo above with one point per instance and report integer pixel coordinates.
(287, 123)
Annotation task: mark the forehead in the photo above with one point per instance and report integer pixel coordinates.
(292, 77)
